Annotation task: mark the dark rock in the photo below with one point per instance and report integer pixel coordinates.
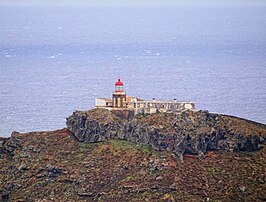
(49, 172)
(185, 133)
(142, 190)
(173, 187)
(86, 194)
(6, 192)
(12, 144)
(2, 143)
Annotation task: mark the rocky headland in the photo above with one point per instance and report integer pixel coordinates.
(186, 133)
(116, 156)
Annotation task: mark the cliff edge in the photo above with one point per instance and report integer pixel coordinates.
(114, 156)
(186, 133)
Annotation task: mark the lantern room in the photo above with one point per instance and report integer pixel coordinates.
(119, 86)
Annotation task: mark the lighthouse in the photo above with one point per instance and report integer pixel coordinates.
(119, 96)
(121, 102)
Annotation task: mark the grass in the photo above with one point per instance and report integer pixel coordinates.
(83, 147)
(128, 178)
(125, 145)
(121, 144)
(66, 187)
(145, 149)
(213, 170)
(80, 157)
(116, 146)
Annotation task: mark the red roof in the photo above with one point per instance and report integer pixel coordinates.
(119, 83)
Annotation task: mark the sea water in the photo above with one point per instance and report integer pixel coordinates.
(55, 60)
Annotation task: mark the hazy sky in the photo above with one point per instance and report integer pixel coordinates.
(132, 2)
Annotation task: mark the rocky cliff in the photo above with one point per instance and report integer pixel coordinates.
(97, 164)
(186, 133)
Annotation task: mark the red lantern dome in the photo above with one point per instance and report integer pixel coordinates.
(119, 83)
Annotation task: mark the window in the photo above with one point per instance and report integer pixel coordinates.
(119, 88)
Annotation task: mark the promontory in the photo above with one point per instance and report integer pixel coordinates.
(115, 155)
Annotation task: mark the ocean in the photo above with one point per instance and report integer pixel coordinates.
(55, 60)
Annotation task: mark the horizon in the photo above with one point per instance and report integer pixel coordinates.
(133, 3)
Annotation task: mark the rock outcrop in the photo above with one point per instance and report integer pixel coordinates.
(186, 133)
(55, 166)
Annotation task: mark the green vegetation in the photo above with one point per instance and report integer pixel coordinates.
(125, 145)
(128, 178)
(213, 170)
(121, 144)
(86, 146)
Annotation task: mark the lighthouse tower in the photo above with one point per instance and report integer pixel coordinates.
(119, 96)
